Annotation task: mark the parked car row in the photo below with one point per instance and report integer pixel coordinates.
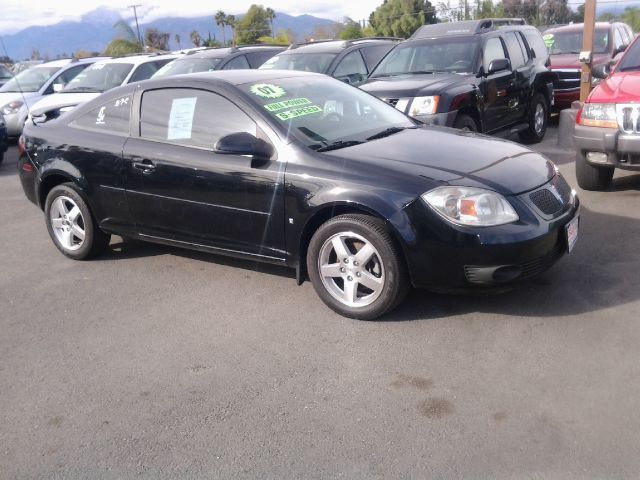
(299, 169)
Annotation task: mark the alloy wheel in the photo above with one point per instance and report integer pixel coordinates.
(67, 223)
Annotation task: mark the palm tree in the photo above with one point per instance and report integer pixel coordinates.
(178, 41)
(221, 21)
(195, 38)
(271, 15)
(231, 21)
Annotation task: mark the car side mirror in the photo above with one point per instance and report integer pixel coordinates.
(58, 87)
(243, 143)
(601, 71)
(620, 49)
(499, 65)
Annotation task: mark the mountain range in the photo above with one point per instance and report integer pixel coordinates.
(95, 30)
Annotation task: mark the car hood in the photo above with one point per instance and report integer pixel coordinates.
(570, 60)
(621, 87)
(454, 157)
(6, 97)
(58, 100)
(412, 85)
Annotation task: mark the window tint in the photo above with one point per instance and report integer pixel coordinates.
(493, 50)
(523, 47)
(65, 77)
(373, 55)
(146, 70)
(515, 52)
(240, 62)
(111, 117)
(351, 68)
(536, 44)
(190, 117)
(258, 58)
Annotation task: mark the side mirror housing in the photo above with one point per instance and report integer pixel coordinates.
(58, 87)
(601, 71)
(243, 143)
(499, 65)
(620, 49)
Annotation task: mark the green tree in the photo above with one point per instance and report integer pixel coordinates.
(631, 17)
(282, 38)
(271, 14)
(254, 24)
(156, 40)
(233, 23)
(125, 31)
(221, 21)
(527, 9)
(178, 41)
(119, 46)
(400, 18)
(352, 29)
(554, 11)
(195, 38)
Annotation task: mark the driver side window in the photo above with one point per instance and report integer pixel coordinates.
(351, 67)
(493, 50)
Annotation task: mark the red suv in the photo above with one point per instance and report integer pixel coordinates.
(564, 44)
(608, 124)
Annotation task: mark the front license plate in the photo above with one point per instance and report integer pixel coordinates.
(572, 233)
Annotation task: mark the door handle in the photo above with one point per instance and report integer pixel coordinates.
(145, 165)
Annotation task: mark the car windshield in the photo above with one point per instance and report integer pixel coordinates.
(305, 62)
(631, 59)
(5, 72)
(456, 54)
(324, 113)
(99, 77)
(560, 43)
(188, 65)
(30, 80)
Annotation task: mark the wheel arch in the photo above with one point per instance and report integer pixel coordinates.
(52, 179)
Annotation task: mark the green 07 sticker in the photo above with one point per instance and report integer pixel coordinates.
(267, 90)
(298, 112)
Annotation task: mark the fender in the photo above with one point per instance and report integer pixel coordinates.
(50, 173)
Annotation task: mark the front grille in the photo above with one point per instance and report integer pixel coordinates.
(392, 101)
(552, 198)
(567, 79)
(628, 117)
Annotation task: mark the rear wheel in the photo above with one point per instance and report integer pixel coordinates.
(538, 120)
(591, 177)
(356, 267)
(465, 122)
(71, 225)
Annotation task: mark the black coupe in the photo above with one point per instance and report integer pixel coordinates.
(301, 170)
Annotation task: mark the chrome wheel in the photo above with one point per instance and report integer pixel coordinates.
(67, 223)
(538, 119)
(351, 269)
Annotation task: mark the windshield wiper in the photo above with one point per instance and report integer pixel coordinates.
(339, 144)
(82, 90)
(386, 132)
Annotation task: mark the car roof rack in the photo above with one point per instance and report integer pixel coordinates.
(295, 45)
(465, 27)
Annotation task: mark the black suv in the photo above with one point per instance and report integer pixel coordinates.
(487, 75)
(224, 58)
(348, 60)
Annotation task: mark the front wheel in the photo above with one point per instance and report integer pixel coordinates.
(466, 123)
(591, 177)
(538, 120)
(356, 267)
(71, 225)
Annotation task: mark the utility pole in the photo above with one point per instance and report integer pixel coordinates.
(135, 14)
(587, 46)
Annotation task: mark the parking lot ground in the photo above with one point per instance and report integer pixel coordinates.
(153, 362)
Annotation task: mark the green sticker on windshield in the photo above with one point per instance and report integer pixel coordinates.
(548, 40)
(294, 102)
(298, 112)
(267, 90)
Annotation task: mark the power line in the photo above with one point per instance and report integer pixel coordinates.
(135, 14)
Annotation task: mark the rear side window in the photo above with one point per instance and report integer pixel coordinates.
(110, 117)
(351, 67)
(536, 44)
(238, 63)
(493, 50)
(515, 52)
(184, 116)
(258, 58)
(146, 70)
(373, 55)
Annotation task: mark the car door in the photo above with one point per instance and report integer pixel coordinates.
(522, 67)
(496, 88)
(179, 189)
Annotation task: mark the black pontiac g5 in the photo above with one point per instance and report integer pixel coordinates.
(301, 170)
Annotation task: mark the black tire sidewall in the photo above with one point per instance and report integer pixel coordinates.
(531, 136)
(87, 248)
(463, 121)
(590, 177)
(392, 292)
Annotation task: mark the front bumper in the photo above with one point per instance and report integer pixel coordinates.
(621, 150)
(15, 122)
(445, 257)
(564, 98)
(445, 119)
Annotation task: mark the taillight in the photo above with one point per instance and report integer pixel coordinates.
(579, 115)
(21, 148)
(27, 167)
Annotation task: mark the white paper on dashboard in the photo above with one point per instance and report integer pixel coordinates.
(181, 118)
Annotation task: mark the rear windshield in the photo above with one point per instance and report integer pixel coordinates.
(306, 62)
(560, 43)
(30, 80)
(99, 77)
(188, 65)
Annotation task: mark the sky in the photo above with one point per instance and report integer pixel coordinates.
(19, 14)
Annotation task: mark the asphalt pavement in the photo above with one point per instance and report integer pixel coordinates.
(156, 363)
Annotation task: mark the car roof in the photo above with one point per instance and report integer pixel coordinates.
(221, 52)
(234, 77)
(466, 27)
(335, 46)
(137, 59)
(56, 63)
(574, 27)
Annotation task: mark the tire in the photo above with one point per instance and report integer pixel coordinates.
(364, 289)
(538, 120)
(465, 122)
(591, 177)
(68, 219)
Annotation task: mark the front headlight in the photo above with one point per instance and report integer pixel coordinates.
(11, 107)
(475, 207)
(599, 115)
(424, 105)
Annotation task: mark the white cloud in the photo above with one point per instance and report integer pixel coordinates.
(20, 14)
